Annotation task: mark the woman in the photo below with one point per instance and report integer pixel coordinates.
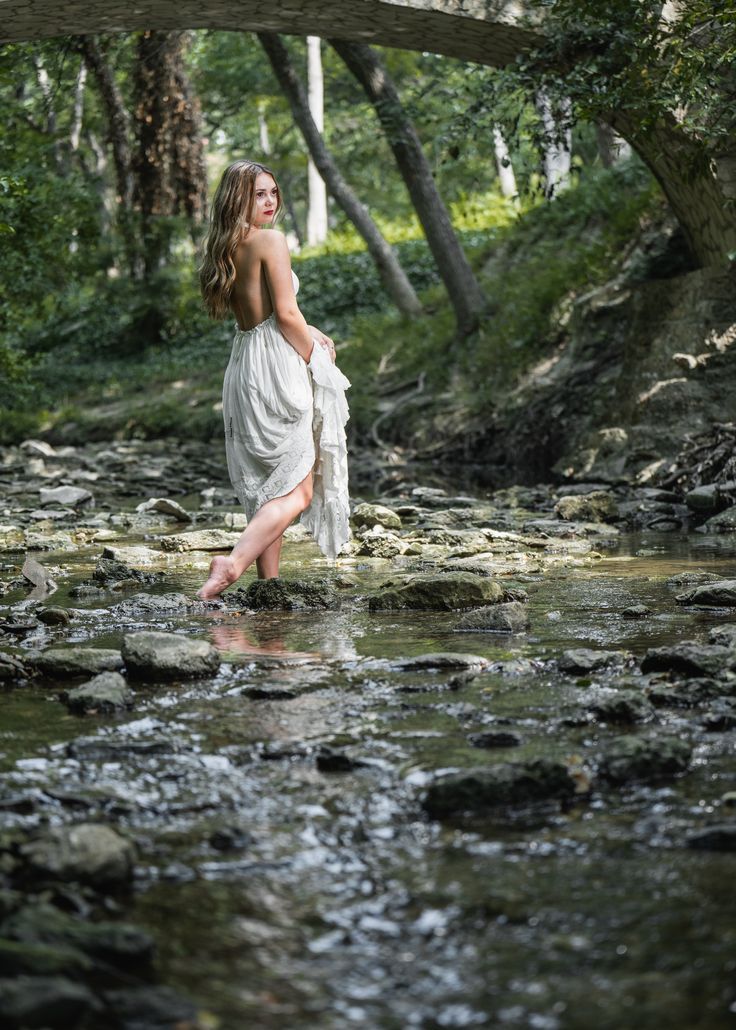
(283, 399)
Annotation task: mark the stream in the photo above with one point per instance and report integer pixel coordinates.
(288, 865)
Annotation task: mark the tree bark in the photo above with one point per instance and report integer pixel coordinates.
(557, 145)
(317, 206)
(465, 294)
(700, 189)
(506, 177)
(392, 274)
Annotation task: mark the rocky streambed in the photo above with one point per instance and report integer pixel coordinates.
(478, 773)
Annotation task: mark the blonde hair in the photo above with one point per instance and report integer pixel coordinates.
(232, 207)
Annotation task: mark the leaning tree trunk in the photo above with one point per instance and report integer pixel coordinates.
(317, 207)
(465, 294)
(701, 190)
(392, 274)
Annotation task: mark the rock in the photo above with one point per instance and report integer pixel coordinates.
(442, 592)
(70, 495)
(105, 943)
(641, 758)
(719, 721)
(51, 1002)
(636, 611)
(88, 852)
(108, 572)
(495, 738)
(626, 706)
(330, 760)
(718, 837)
(152, 604)
(200, 540)
(62, 662)
(689, 659)
(134, 555)
(581, 660)
(703, 498)
(723, 522)
(152, 1007)
(36, 574)
(18, 958)
(11, 537)
(461, 542)
(377, 543)
(596, 506)
(721, 593)
(724, 635)
(286, 595)
(107, 692)
(441, 660)
(54, 616)
(485, 788)
(511, 617)
(12, 669)
(166, 506)
(369, 515)
(168, 656)
(689, 579)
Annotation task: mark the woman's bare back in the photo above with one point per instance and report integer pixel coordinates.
(250, 299)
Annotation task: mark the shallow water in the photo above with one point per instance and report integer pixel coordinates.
(283, 896)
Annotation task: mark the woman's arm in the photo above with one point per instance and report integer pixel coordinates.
(277, 264)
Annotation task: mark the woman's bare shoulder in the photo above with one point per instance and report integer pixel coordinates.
(271, 241)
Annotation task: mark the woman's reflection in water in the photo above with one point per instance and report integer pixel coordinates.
(266, 633)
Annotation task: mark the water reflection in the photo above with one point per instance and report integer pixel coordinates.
(288, 635)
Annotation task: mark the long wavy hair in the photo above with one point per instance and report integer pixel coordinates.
(232, 209)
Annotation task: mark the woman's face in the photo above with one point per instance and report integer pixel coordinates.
(266, 199)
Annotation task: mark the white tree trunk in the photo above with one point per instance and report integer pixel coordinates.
(317, 210)
(76, 128)
(263, 137)
(506, 177)
(557, 146)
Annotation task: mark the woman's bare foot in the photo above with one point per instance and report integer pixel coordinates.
(222, 574)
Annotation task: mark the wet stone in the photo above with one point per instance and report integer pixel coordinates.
(581, 660)
(596, 506)
(720, 593)
(151, 1007)
(19, 957)
(495, 738)
(89, 852)
(719, 721)
(168, 656)
(331, 760)
(625, 707)
(166, 506)
(703, 498)
(105, 693)
(443, 592)
(45, 1001)
(62, 662)
(69, 495)
(200, 540)
(285, 595)
(365, 516)
(54, 616)
(108, 572)
(636, 611)
(719, 837)
(486, 788)
(378, 543)
(689, 659)
(723, 522)
(509, 617)
(152, 605)
(442, 660)
(724, 635)
(12, 669)
(641, 758)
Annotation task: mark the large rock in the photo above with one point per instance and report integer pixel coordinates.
(626, 706)
(105, 693)
(109, 572)
(689, 659)
(366, 516)
(62, 662)
(443, 592)
(286, 595)
(73, 495)
(200, 540)
(641, 758)
(720, 593)
(378, 543)
(168, 656)
(51, 1002)
(511, 617)
(489, 787)
(724, 635)
(578, 661)
(132, 554)
(703, 498)
(717, 837)
(723, 522)
(89, 852)
(597, 506)
(166, 506)
(12, 669)
(152, 605)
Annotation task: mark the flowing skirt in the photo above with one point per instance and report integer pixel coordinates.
(284, 418)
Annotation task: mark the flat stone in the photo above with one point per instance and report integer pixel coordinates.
(132, 555)
(495, 738)
(626, 706)
(689, 659)
(718, 837)
(166, 506)
(378, 543)
(442, 592)
(12, 669)
(640, 758)
(107, 692)
(636, 611)
(45, 1001)
(152, 604)
(511, 617)
(70, 495)
(703, 498)
(581, 660)
(77, 661)
(441, 660)
(200, 540)
(486, 788)
(88, 852)
(721, 593)
(168, 656)
(286, 595)
(595, 506)
(54, 616)
(369, 515)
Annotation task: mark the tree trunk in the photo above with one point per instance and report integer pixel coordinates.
(506, 177)
(76, 127)
(392, 274)
(557, 145)
(611, 147)
(701, 190)
(317, 206)
(463, 289)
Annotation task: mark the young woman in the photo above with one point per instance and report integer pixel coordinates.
(283, 398)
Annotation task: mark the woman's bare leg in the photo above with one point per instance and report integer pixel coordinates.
(264, 529)
(268, 562)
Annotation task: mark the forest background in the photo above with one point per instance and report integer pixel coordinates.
(111, 146)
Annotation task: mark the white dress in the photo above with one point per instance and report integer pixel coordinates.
(284, 418)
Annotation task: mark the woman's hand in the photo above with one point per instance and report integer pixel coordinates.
(324, 341)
